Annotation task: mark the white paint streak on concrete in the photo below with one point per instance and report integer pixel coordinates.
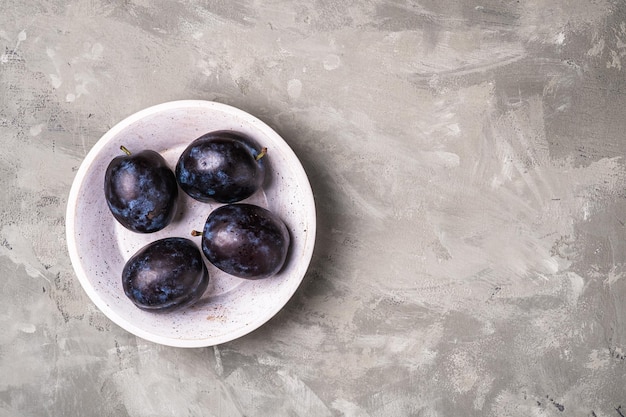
(294, 88)
(303, 399)
(598, 360)
(597, 49)
(55, 80)
(219, 367)
(27, 328)
(37, 129)
(20, 252)
(615, 61)
(559, 39)
(348, 409)
(331, 62)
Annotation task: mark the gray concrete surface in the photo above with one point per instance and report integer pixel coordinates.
(467, 159)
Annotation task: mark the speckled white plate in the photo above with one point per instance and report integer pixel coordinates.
(99, 247)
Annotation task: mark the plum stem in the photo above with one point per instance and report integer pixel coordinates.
(261, 154)
(125, 150)
(196, 233)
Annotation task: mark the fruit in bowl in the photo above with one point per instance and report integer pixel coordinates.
(99, 246)
(141, 191)
(165, 275)
(245, 240)
(223, 166)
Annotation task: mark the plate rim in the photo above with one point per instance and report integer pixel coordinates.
(74, 253)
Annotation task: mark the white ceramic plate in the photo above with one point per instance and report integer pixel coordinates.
(99, 247)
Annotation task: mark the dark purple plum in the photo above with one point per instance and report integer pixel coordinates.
(245, 240)
(141, 191)
(222, 166)
(165, 275)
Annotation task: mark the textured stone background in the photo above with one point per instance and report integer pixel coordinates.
(467, 159)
